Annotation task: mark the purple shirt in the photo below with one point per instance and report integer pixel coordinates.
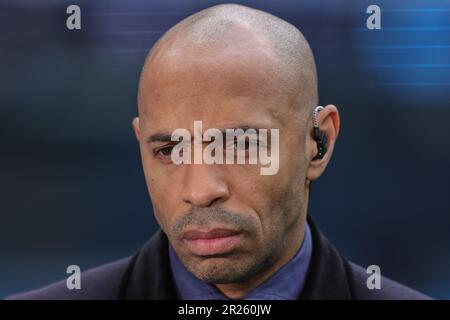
(285, 284)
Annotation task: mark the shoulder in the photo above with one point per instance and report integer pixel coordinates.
(102, 282)
(145, 275)
(390, 290)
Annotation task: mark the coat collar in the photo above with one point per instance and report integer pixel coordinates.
(328, 274)
(148, 275)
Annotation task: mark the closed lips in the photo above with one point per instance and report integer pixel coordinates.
(210, 243)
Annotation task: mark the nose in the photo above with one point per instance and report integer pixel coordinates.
(203, 185)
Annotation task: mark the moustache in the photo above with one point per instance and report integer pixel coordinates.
(203, 217)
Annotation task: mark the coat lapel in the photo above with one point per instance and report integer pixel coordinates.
(328, 271)
(149, 275)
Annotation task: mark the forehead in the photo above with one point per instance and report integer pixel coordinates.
(220, 84)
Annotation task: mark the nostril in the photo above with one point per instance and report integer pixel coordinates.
(205, 197)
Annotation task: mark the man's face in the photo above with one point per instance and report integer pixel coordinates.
(226, 222)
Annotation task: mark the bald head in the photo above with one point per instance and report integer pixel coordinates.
(280, 49)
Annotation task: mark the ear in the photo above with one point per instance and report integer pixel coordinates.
(329, 122)
(136, 128)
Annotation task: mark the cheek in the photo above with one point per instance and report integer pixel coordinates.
(160, 189)
(259, 193)
(163, 207)
(277, 199)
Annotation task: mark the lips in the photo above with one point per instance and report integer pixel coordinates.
(212, 242)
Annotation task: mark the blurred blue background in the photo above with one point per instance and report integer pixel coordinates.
(72, 189)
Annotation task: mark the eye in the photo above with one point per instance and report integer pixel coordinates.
(247, 143)
(165, 151)
(236, 144)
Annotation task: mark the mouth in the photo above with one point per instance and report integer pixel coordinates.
(212, 242)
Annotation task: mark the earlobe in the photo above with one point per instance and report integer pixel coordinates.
(136, 128)
(317, 167)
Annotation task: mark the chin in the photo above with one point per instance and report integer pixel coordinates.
(222, 270)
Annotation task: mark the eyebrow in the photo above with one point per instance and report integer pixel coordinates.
(162, 137)
(167, 137)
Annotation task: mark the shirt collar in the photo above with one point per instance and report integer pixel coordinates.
(279, 286)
